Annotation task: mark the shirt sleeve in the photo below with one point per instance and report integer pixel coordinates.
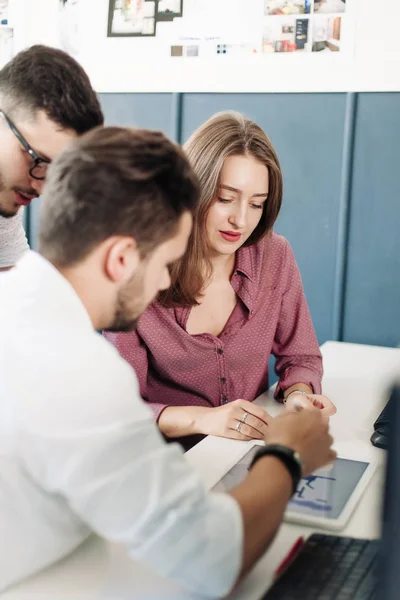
(298, 358)
(108, 460)
(133, 349)
(13, 242)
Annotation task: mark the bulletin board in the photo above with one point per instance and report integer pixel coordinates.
(239, 28)
(218, 45)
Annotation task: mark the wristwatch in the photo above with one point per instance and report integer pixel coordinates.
(290, 458)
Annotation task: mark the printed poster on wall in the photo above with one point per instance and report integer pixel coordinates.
(207, 28)
(303, 25)
(139, 18)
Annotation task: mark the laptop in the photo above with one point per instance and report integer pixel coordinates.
(331, 567)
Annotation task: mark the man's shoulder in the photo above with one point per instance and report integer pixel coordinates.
(83, 384)
(106, 373)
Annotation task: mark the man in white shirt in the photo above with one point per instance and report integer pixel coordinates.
(79, 450)
(45, 101)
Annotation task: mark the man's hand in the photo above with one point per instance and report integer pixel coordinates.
(306, 432)
(264, 494)
(310, 401)
(240, 420)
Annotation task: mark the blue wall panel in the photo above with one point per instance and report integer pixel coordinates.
(307, 132)
(150, 111)
(372, 300)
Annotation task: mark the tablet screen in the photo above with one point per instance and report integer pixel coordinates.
(325, 493)
(322, 494)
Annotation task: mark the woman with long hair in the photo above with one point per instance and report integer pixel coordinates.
(201, 350)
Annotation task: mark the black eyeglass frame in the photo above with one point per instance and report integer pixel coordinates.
(37, 160)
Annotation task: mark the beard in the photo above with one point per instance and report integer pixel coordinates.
(8, 213)
(130, 305)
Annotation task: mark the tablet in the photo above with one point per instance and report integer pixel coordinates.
(326, 498)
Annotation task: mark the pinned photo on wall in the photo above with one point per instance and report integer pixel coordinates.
(286, 35)
(287, 7)
(326, 34)
(329, 6)
(169, 8)
(132, 18)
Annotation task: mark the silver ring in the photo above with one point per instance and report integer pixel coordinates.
(239, 426)
(245, 415)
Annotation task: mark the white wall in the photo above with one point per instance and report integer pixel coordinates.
(127, 64)
(35, 22)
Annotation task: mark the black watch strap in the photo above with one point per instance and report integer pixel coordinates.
(287, 456)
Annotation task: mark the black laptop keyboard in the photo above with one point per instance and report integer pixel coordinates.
(330, 567)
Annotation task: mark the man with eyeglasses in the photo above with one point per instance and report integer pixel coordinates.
(46, 100)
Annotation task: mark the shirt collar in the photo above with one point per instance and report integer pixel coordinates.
(244, 263)
(244, 280)
(246, 289)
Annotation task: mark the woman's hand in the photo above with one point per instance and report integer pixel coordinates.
(300, 401)
(240, 420)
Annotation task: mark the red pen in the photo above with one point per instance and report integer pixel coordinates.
(293, 552)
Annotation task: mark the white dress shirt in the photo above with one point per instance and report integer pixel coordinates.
(13, 242)
(79, 450)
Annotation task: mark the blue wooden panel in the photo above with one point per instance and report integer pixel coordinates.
(372, 301)
(307, 132)
(150, 111)
(33, 223)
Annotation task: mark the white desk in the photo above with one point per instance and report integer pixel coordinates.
(356, 379)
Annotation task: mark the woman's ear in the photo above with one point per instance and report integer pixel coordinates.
(121, 259)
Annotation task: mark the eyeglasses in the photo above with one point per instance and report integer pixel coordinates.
(39, 167)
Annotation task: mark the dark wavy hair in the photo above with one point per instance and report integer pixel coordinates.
(48, 79)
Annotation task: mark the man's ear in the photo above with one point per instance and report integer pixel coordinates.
(121, 259)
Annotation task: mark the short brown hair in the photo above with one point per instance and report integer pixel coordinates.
(114, 181)
(48, 79)
(225, 134)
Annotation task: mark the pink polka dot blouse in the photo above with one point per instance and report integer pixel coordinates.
(175, 368)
